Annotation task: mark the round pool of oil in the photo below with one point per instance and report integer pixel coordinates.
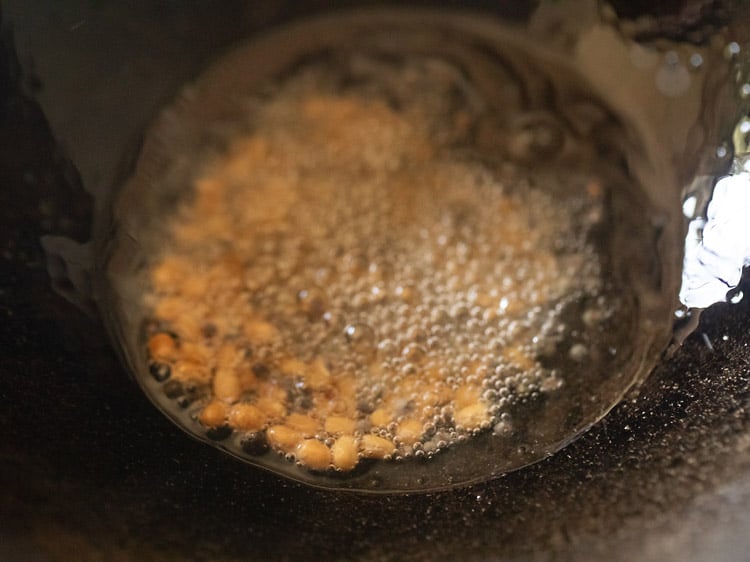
(392, 255)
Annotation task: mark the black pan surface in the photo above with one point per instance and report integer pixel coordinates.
(90, 470)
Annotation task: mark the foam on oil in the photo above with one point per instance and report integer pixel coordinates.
(353, 270)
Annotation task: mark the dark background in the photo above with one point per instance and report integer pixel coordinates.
(90, 470)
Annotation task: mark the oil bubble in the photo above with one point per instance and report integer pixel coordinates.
(503, 428)
(722, 152)
(732, 50)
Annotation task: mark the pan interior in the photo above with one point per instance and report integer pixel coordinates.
(375, 259)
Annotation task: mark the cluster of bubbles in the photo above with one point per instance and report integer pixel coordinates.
(399, 256)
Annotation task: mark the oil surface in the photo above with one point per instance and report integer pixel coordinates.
(353, 276)
(386, 265)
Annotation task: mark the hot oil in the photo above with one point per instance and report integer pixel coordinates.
(387, 277)
(395, 264)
